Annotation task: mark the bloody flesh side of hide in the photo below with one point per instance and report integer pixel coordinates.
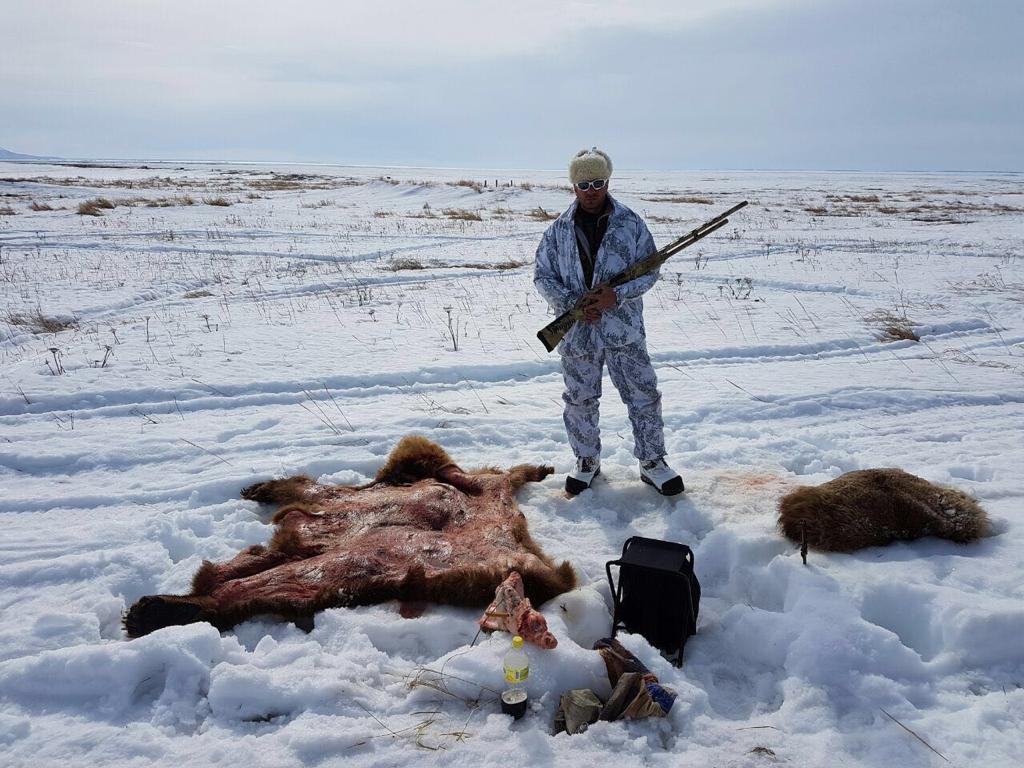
(423, 530)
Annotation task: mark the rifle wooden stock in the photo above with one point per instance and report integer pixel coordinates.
(552, 333)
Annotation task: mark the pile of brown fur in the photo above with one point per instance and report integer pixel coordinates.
(872, 507)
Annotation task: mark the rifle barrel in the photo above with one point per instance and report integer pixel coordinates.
(709, 225)
(554, 331)
(706, 228)
(671, 251)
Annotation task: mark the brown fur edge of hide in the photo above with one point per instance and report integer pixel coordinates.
(470, 588)
(413, 458)
(874, 507)
(278, 491)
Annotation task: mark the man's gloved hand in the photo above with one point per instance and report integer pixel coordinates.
(598, 300)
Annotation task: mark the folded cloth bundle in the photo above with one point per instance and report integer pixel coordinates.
(636, 693)
(577, 709)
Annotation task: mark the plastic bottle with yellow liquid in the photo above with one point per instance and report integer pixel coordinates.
(517, 670)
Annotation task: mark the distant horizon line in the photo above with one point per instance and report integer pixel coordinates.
(24, 158)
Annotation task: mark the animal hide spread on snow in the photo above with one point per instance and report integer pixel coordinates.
(423, 530)
(873, 507)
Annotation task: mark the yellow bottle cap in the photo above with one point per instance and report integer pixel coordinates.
(517, 642)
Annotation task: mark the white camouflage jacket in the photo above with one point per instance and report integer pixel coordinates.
(558, 276)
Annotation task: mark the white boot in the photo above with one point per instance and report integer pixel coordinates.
(579, 479)
(665, 480)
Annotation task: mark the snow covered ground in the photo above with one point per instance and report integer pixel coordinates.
(160, 356)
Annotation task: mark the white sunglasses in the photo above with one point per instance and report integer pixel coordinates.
(583, 186)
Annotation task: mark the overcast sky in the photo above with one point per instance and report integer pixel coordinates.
(673, 84)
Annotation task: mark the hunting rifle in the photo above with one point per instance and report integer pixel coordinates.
(553, 332)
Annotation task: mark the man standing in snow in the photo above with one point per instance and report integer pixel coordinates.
(594, 240)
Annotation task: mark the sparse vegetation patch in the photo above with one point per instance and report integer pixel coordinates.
(89, 208)
(462, 214)
(37, 322)
(425, 213)
(853, 198)
(694, 199)
(498, 265)
(167, 202)
(893, 326)
(397, 265)
(474, 185)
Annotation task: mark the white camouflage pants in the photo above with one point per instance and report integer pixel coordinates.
(630, 370)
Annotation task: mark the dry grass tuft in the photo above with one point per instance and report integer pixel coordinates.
(945, 211)
(40, 206)
(853, 198)
(698, 200)
(96, 206)
(165, 202)
(397, 265)
(497, 265)
(474, 185)
(37, 322)
(539, 214)
(849, 206)
(216, 201)
(6, 210)
(200, 294)
(893, 326)
(461, 214)
(275, 185)
(285, 182)
(89, 208)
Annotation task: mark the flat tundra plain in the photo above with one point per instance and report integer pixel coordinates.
(172, 332)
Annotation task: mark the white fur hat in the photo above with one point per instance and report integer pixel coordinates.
(590, 164)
